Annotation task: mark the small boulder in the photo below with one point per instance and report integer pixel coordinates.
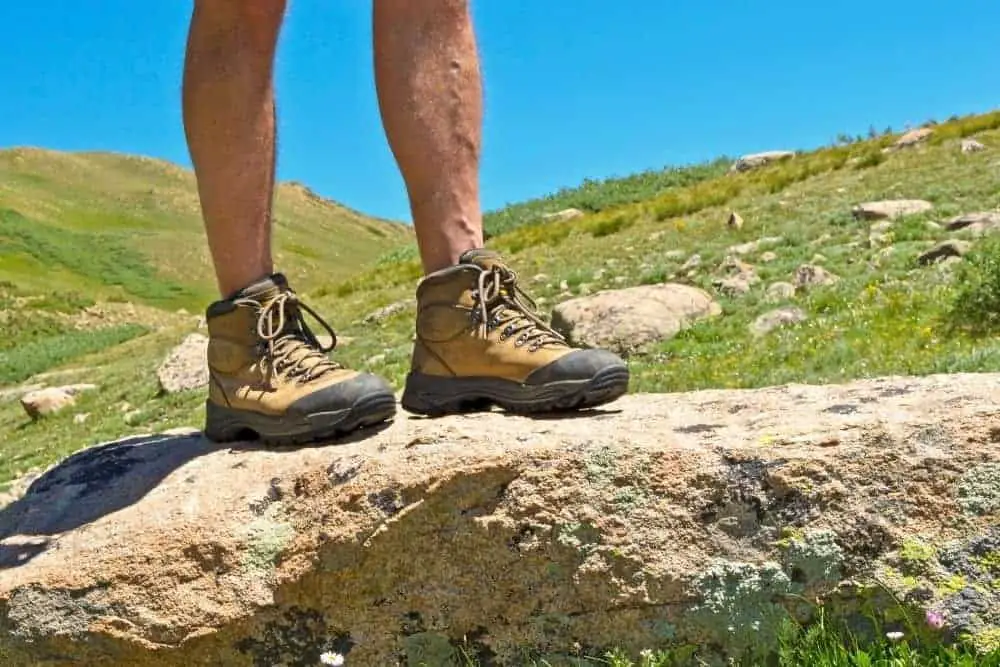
(754, 160)
(44, 402)
(563, 215)
(735, 221)
(945, 249)
(972, 146)
(779, 317)
(626, 320)
(732, 286)
(382, 314)
(733, 267)
(890, 209)
(977, 223)
(914, 137)
(186, 367)
(780, 291)
(811, 275)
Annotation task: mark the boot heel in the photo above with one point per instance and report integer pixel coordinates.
(433, 396)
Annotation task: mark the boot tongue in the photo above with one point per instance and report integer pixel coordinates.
(264, 289)
(481, 257)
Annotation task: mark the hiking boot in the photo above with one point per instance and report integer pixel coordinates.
(270, 376)
(480, 343)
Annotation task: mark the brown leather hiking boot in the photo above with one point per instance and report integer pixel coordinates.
(479, 343)
(270, 376)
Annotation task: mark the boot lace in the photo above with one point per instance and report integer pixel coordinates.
(292, 350)
(500, 302)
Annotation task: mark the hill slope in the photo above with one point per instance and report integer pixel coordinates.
(887, 313)
(130, 228)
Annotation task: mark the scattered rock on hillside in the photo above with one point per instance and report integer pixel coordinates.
(382, 314)
(565, 214)
(972, 146)
(733, 267)
(50, 400)
(780, 317)
(880, 234)
(913, 137)
(890, 209)
(702, 519)
(780, 291)
(693, 262)
(186, 367)
(811, 275)
(754, 246)
(735, 221)
(950, 248)
(977, 223)
(627, 320)
(731, 286)
(754, 160)
(768, 256)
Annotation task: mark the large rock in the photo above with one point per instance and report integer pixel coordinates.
(186, 366)
(977, 223)
(704, 519)
(47, 401)
(890, 209)
(628, 320)
(914, 137)
(754, 160)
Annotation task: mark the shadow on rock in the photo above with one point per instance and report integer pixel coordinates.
(91, 484)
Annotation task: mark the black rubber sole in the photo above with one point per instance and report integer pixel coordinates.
(436, 396)
(224, 424)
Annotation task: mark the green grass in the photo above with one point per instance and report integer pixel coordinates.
(45, 352)
(130, 227)
(821, 644)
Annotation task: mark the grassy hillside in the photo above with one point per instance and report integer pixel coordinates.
(129, 228)
(887, 314)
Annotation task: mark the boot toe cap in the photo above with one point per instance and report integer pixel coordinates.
(344, 395)
(576, 365)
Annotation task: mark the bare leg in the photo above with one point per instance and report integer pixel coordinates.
(228, 104)
(430, 96)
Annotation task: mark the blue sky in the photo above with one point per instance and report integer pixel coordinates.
(574, 89)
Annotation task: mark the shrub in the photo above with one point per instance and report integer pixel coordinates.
(976, 304)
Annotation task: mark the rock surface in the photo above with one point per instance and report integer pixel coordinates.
(890, 209)
(627, 320)
(754, 160)
(40, 403)
(972, 146)
(186, 366)
(977, 223)
(702, 518)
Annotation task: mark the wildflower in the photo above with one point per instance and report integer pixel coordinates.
(331, 658)
(935, 619)
(894, 636)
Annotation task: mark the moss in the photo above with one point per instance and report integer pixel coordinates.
(266, 538)
(951, 585)
(814, 557)
(429, 649)
(987, 640)
(915, 550)
(601, 465)
(979, 489)
(740, 605)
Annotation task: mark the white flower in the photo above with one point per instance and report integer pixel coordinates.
(894, 636)
(331, 658)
